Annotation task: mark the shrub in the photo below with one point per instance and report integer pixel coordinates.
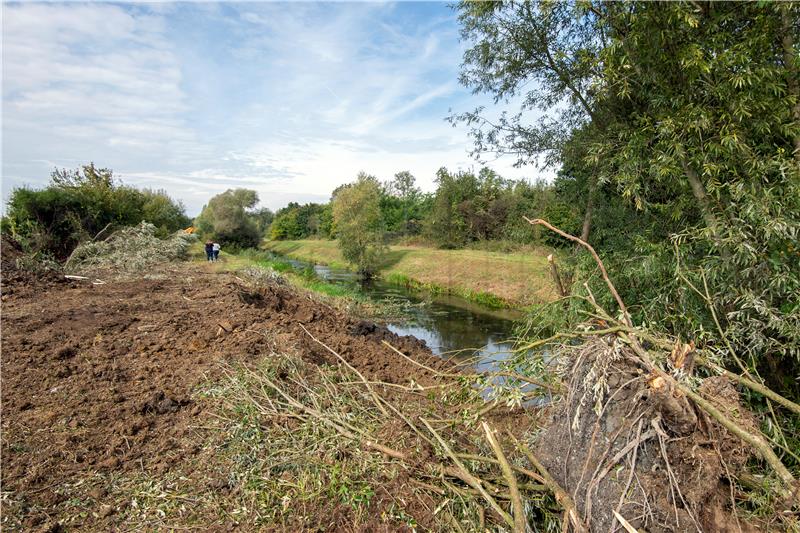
(79, 204)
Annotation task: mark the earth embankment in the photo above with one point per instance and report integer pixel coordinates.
(100, 381)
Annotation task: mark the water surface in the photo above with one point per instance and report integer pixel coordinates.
(451, 326)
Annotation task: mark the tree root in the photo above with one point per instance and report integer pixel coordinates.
(628, 333)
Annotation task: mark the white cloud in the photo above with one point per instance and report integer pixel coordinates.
(288, 99)
(89, 79)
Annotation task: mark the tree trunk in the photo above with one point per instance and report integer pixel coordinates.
(699, 192)
(790, 59)
(557, 277)
(587, 216)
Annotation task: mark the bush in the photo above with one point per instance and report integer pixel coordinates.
(79, 204)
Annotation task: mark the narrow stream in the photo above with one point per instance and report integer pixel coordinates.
(451, 326)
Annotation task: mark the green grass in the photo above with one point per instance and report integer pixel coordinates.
(256, 264)
(493, 278)
(306, 279)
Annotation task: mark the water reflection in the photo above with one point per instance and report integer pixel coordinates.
(449, 325)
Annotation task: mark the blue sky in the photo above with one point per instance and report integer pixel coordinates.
(289, 99)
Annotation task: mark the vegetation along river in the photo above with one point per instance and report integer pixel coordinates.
(451, 326)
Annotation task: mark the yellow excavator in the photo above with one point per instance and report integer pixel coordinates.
(190, 230)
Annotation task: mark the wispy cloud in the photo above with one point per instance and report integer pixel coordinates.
(290, 99)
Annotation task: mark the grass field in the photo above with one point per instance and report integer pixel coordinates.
(516, 279)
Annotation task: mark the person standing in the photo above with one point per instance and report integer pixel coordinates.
(209, 251)
(215, 248)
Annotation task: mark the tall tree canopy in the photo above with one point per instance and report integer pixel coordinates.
(688, 112)
(228, 218)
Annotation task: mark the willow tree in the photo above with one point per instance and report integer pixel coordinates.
(358, 224)
(227, 218)
(544, 55)
(689, 110)
(707, 130)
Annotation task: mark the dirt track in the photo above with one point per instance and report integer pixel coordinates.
(98, 379)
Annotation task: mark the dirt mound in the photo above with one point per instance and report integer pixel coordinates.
(11, 251)
(621, 443)
(22, 273)
(98, 380)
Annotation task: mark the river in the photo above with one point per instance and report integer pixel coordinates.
(451, 326)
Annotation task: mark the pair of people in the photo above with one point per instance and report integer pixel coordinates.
(212, 251)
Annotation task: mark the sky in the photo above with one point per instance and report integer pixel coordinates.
(288, 99)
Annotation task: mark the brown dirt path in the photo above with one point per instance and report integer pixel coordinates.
(99, 378)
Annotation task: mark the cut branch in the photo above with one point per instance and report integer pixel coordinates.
(520, 520)
(556, 276)
(561, 495)
(468, 478)
(374, 395)
(620, 303)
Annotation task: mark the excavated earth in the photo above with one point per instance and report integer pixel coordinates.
(98, 379)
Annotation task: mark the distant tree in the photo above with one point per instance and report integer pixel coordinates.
(469, 207)
(284, 225)
(227, 219)
(446, 225)
(263, 218)
(404, 186)
(297, 221)
(401, 204)
(326, 221)
(359, 225)
(163, 212)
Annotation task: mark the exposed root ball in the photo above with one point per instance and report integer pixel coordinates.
(624, 442)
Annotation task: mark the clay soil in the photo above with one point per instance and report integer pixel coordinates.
(100, 380)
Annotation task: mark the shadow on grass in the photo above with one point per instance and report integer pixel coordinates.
(391, 258)
(284, 247)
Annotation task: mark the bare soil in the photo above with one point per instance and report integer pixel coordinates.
(99, 379)
(101, 382)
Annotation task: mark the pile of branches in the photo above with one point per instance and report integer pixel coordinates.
(630, 446)
(129, 250)
(466, 459)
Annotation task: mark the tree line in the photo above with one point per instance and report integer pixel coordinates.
(467, 207)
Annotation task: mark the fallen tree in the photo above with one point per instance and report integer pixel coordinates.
(636, 438)
(646, 433)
